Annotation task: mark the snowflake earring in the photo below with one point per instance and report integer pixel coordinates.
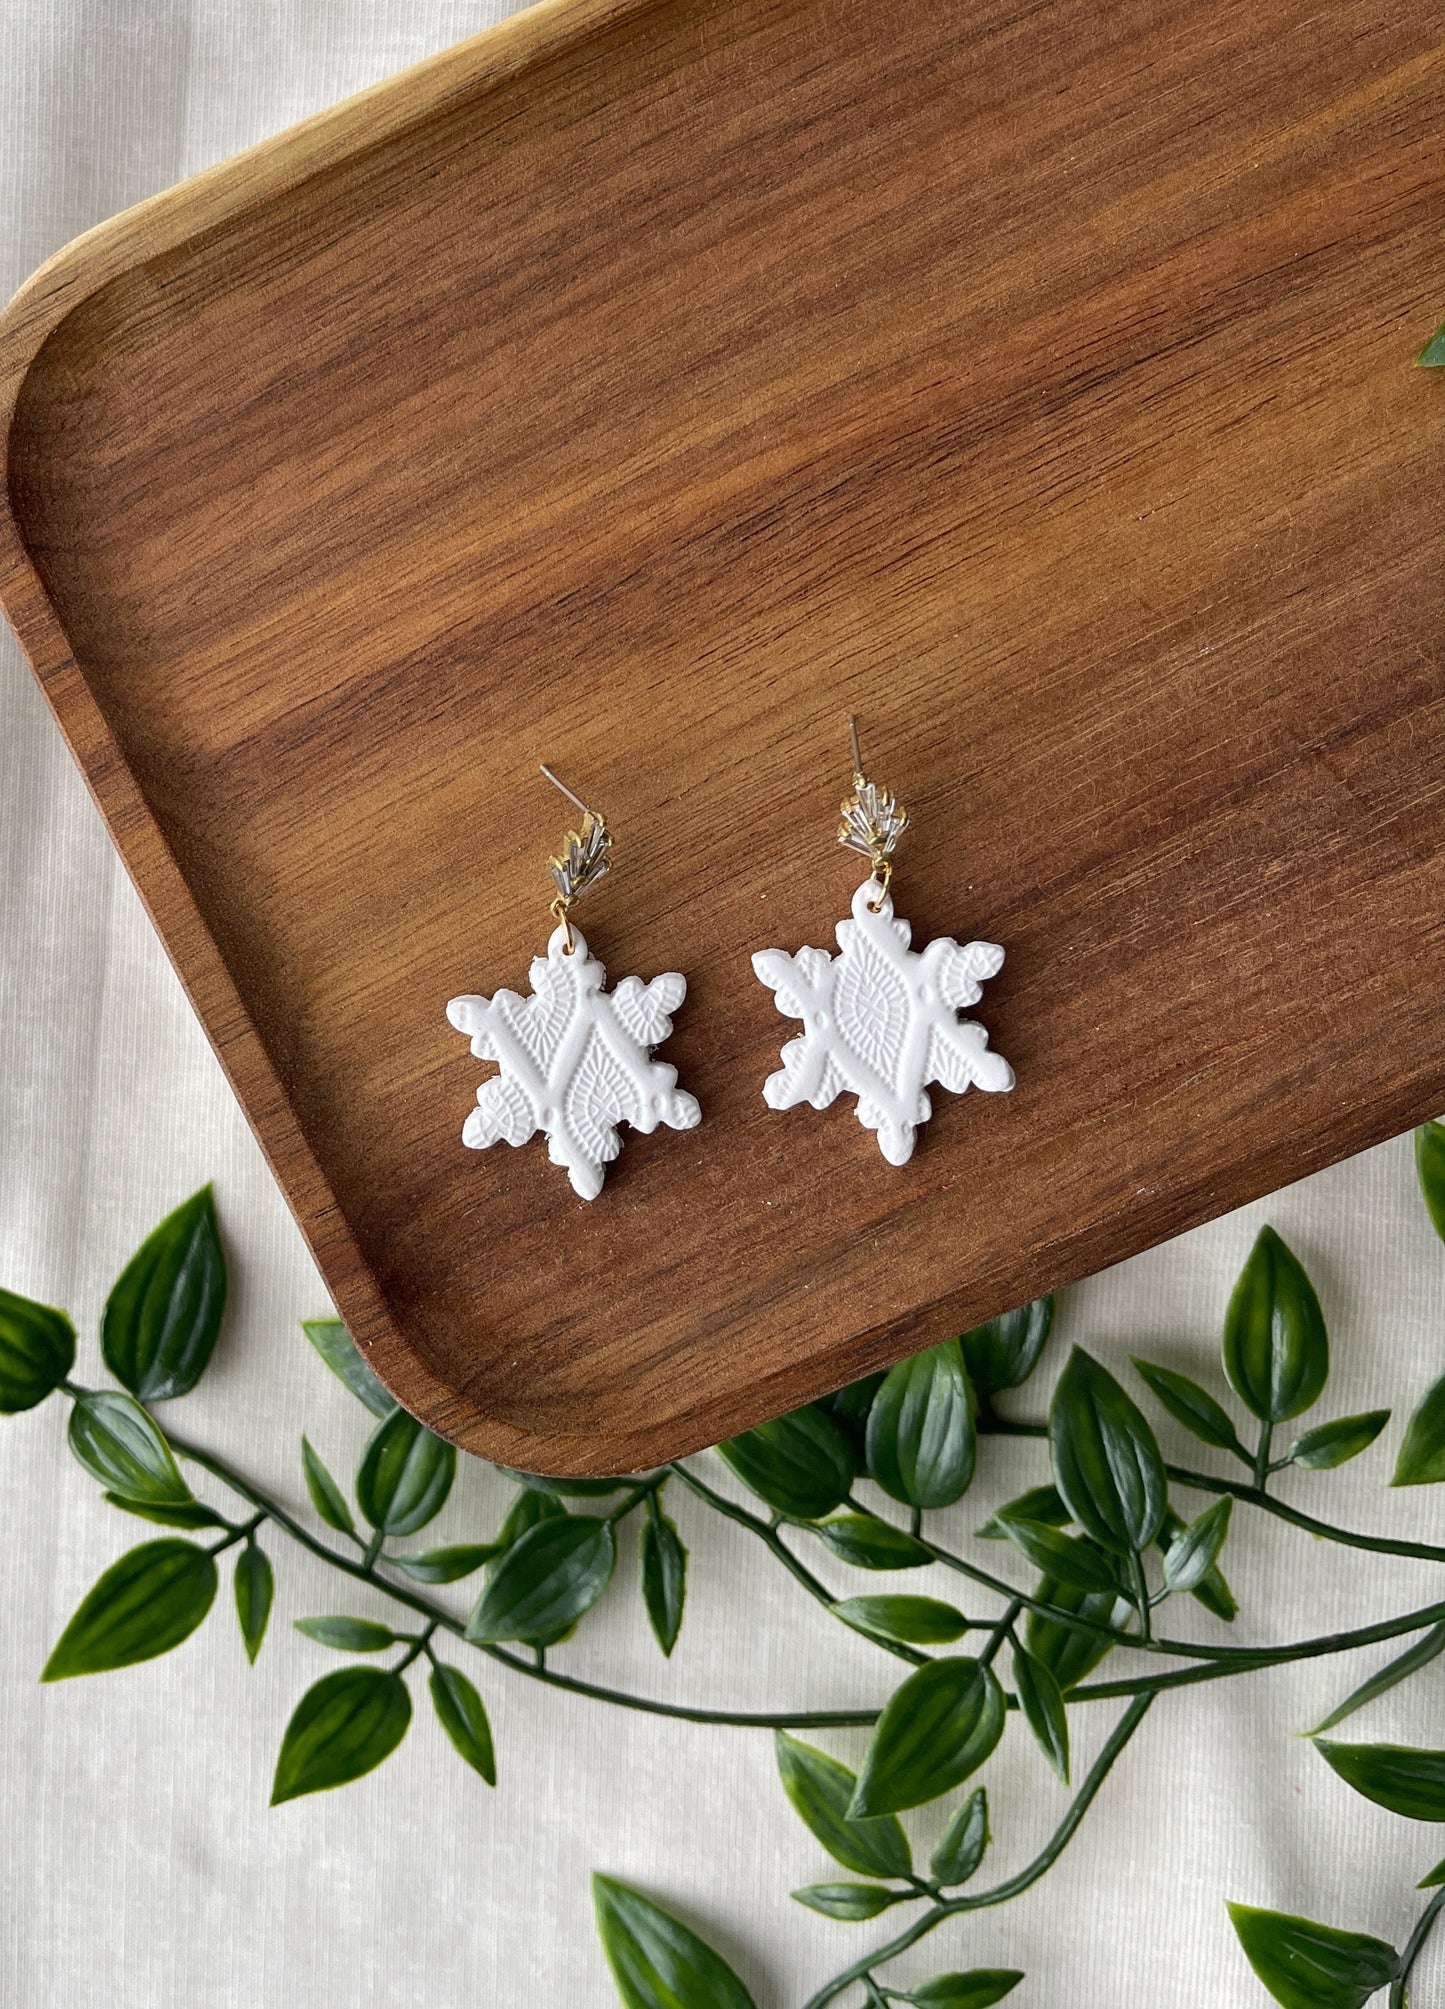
(880, 1022)
(575, 1062)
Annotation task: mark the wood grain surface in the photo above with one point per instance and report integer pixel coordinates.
(642, 387)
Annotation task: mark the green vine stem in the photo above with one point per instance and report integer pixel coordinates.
(1413, 1947)
(1011, 1887)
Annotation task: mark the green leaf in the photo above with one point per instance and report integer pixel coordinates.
(579, 1489)
(1042, 1702)
(1069, 1653)
(872, 1544)
(1192, 1406)
(850, 1901)
(1433, 1879)
(799, 1463)
(849, 1409)
(1004, 1352)
(143, 1605)
(342, 1355)
(460, 1713)
(1333, 1443)
(528, 1510)
(163, 1315)
(1211, 1591)
(326, 1496)
(189, 1514)
(343, 1726)
(545, 1582)
(965, 1838)
(978, 1989)
(348, 1635)
(1389, 1676)
(934, 1731)
(255, 1587)
(446, 1565)
(664, 1574)
(656, 1962)
(37, 1351)
(921, 1441)
(405, 1475)
(117, 1443)
(1059, 1555)
(1276, 1351)
(1432, 357)
(1402, 1780)
(821, 1790)
(1106, 1462)
(918, 1621)
(1195, 1549)
(1043, 1505)
(1309, 1966)
(1422, 1454)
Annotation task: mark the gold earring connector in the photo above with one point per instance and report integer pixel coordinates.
(581, 862)
(873, 820)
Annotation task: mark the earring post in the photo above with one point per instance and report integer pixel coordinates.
(853, 736)
(564, 788)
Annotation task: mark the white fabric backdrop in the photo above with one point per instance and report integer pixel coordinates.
(141, 1866)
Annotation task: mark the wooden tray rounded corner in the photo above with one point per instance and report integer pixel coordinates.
(642, 388)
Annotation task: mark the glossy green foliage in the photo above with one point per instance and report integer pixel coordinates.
(461, 1714)
(405, 1475)
(254, 1584)
(528, 1510)
(921, 1444)
(348, 1635)
(1042, 1702)
(872, 1544)
(917, 1621)
(849, 1409)
(1195, 1549)
(1309, 1966)
(341, 1354)
(964, 1842)
(167, 1513)
(663, 1574)
(1066, 1558)
(37, 1351)
(1004, 1352)
(1415, 1656)
(1430, 1167)
(1394, 1776)
(821, 1791)
(1192, 1406)
(980, 1988)
(851, 1901)
(447, 1565)
(800, 1464)
(326, 1496)
(1331, 1444)
(343, 1727)
(1422, 1453)
(1432, 357)
(1069, 1653)
(544, 1583)
(1211, 1591)
(1106, 1462)
(656, 1961)
(1043, 1505)
(1276, 1350)
(163, 1316)
(577, 1489)
(934, 1731)
(118, 1444)
(143, 1605)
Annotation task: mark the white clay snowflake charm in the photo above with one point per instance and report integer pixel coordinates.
(881, 1022)
(575, 1061)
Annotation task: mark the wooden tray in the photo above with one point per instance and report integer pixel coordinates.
(643, 386)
